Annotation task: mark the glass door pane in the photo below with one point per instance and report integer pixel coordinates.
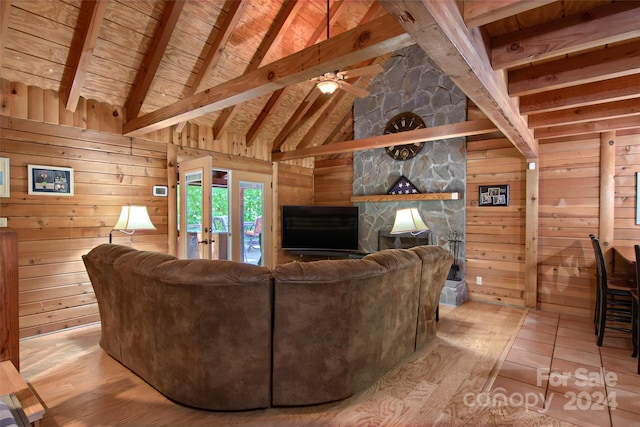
(195, 212)
(221, 228)
(251, 216)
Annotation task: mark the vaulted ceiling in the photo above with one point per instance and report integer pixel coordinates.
(538, 69)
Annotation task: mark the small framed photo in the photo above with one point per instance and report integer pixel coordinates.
(4, 177)
(160, 190)
(50, 180)
(494, 195)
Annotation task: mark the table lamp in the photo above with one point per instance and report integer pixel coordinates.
(408, 221)
(132, 218)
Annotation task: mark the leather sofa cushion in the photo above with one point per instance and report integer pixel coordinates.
(341, 324)
(201, 272)
(199, 331)
(99, 264)
(436, 263)
(325, 271)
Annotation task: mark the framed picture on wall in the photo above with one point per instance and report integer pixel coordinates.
(4, 177)
(50, 180)
(494, 195)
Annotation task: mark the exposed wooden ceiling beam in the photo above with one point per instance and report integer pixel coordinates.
(345, 122)
(321, 30)
(296, 118)
(482, 12)
(607, 110)
(267, 111)
(616, 61)
(283, 19)
(235, 8)
(375, 38)
(617, 89)
(607, 24)
(589, 127)
(151, 62)
(80, 63)
(438, 28)
(435, 133)
(336, 99)
(278, 96)
(5, 11)
(371, 13)
(304, 107)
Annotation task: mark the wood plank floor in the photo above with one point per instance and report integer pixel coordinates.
(444, 383)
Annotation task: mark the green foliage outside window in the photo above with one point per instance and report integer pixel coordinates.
(220, 203)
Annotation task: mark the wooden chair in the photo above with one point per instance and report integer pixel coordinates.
(219, 224)
(613, 298)
(254, 234)
(636, 309)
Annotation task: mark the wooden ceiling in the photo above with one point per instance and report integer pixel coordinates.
(538, 69)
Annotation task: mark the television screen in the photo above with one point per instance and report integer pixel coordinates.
(320, 228)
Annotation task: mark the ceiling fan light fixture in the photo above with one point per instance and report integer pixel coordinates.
(327, 86)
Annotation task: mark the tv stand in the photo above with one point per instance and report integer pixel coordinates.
(328, 254)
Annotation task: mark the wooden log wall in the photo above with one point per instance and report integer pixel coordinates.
(295, 187)
(333, 182)
(110, 171)
(626, 232)
(495, 235)
(54, 231)
(570, 210)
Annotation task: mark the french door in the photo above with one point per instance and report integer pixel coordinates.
(226, 214)
(251, 202)
(194, 232)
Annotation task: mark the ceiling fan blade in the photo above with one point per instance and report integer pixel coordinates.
(355, 90)
(357, 72)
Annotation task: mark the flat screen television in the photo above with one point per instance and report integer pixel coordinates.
(320, 228)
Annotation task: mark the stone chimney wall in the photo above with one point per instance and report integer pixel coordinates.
(412, 82)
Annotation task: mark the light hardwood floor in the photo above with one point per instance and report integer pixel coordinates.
(445, 383)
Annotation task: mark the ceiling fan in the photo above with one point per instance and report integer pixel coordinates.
(331, 81)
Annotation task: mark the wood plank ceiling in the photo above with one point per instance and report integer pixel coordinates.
(538, 69)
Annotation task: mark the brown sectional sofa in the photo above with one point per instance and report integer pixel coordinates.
(198, 331)
(223, 335)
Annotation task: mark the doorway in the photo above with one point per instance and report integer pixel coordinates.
(226, 214)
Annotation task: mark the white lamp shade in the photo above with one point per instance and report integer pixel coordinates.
(327, 86)
(408, 221)
(134, 218)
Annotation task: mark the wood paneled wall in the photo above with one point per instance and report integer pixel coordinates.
(110, 171)
(570, 210)
(495, 234)
(295, 187)
(54, 231)
(626, 232)
(333, 182)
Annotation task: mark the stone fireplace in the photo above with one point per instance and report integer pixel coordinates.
(411, 82)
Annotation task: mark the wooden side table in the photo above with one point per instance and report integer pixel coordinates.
(12, 382)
